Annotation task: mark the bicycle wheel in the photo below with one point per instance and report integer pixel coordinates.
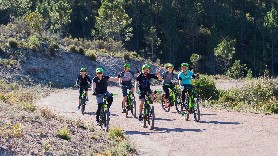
(107, 117)
(178, 104)
(127, 109)
(146, 116)
(197, 113)
(163, 104)
(186, 108)
(83, 101)
(133, 108)
(151, 125)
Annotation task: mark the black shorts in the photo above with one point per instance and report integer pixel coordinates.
(86, 87)
(144, 92)
(125, 88)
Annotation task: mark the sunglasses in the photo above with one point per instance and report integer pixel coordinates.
(99, 73)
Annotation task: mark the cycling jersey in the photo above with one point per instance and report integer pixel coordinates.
(144, 81)
(101, 85)
(126, 77)
(83, 81)
(186, 79)
(168, 77)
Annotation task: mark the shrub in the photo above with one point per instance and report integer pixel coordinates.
(13, 43)
(52, 50)
(126, 57)
(73, 48)
(91, 54)
(116, 133)
(1, 50)
(64, 133)
(34, 43)
(249, 74)
(236, 70)
(259, 95)
(207, 88)
(81, 51)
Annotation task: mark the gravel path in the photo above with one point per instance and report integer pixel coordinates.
(218, 133)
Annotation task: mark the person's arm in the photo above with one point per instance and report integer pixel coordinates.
(77, 80)
(180, 79)
(94, 87)
(120, 79)
(113, 79)
(89, 80)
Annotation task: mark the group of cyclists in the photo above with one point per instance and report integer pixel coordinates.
(142, 84)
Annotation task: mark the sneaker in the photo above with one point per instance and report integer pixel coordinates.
(140, 117)
(97, 123)
(124, 111)
(87, 99)
(78, 107)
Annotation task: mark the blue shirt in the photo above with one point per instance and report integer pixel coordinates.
(185, 79)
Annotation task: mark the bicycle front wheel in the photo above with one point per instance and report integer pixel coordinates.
(83, 101)
(178, 104)
(133, 108)
(197, 112)
(107, 119)
(151, 119)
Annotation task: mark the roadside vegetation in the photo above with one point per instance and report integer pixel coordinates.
(27, 129)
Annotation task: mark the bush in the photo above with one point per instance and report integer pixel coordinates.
(116, 133)
(207, 88)
(73, 48)
(236, 70)
(91, 54)
(126, 57)
(34, 43)
(64, 133)
(52, 50)
(81, 51)
(13, 43)
(258, 95)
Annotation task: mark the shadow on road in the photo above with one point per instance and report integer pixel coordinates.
(163, 130)
(165, 119)
(220, 122)
(207, 114)
(94, 113)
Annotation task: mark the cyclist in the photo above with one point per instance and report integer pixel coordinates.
(185, 77)
(100, 84)
(83, 80)
(144, 85)
(125, 81)
(167, 77)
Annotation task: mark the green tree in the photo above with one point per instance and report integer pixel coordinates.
(152, 40)
(225, 51)
(35, 21)
(112, 21)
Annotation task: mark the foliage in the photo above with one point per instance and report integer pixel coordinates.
(34, 42)
(35, 21)
(225, 51)
(237, 70)
(126, 57)
(91, 54)
(205, 87)
(116, 133)
(73, 48)
(259, 95)
(13, 43)
(81, 51)
(64, 133)
(112, 21)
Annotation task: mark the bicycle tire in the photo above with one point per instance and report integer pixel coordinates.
(133, 108)
(83, 101)
(106, 128)
(145, 117)
(152, 118)
(197, 111)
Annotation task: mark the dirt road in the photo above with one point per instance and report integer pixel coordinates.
(217, 133)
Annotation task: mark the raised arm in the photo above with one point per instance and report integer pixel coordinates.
(113, 79)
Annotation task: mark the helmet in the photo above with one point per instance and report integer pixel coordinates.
(99, 70)
(127, 65)
(145, 66)
(185, 64)
(83, 69)
(169, 65)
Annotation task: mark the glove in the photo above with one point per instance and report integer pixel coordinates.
(94, 93)
(182, 87)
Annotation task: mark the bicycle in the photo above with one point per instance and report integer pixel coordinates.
(148, 112)
(174, 97)
(83, 100)
(104, 113)
(190, 106)
(130, 104)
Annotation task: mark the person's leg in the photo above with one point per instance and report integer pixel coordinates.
(124, 90)
(142, 100)
(166, 91)
(86, 90)
(98, 112)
